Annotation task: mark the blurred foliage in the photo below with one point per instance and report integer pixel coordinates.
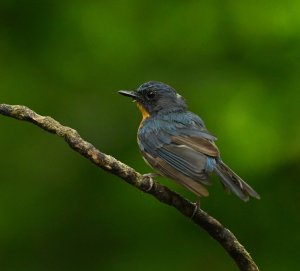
(236, 62)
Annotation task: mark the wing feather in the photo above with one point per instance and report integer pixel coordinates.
(168, 171)
(199, 144)
(179, 150)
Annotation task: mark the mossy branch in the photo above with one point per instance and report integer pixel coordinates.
(145, 184)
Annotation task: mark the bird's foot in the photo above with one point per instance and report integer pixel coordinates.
(150, 176)
(197, 206)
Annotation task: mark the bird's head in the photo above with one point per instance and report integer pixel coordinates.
(154, 97)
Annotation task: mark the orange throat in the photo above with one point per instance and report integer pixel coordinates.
(145, 113)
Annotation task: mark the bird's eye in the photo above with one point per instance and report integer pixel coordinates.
(150, 94)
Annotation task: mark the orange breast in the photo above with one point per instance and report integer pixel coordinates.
(145, 113)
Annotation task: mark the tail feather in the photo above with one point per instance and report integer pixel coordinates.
(234, 183)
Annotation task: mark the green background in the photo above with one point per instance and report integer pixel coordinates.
(236, 63)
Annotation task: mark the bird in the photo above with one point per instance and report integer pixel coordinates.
(176, 143)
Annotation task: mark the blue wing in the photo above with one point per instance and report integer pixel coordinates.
(180, 147)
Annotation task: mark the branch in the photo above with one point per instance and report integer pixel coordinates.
(214, 228)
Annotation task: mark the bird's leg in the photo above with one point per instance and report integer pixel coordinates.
(151, 176)
(197, 206)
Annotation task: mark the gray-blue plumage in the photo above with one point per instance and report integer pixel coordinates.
(156, 138)
(176, 143)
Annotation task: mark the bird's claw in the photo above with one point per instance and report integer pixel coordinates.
(150, 176)
(197, 206)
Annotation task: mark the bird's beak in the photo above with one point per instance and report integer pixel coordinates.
(128, 93)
